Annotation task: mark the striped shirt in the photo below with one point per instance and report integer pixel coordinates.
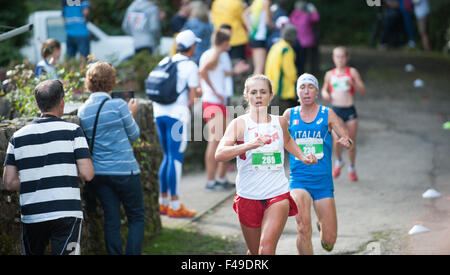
(113, 154)
(45, 154)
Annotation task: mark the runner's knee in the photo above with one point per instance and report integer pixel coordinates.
(304, 229)
(266, 248)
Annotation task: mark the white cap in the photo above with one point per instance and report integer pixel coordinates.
(186, 39)
(307, 78)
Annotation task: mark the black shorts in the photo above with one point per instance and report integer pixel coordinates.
(346, 113)
(258, 43)
(63, 234)
(237, 52)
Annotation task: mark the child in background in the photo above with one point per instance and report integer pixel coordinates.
(339, 87)
(50, 52)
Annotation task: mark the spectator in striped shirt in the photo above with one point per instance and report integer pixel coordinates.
(117, 172)
(44, 161)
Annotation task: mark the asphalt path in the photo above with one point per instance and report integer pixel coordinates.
(402, 151)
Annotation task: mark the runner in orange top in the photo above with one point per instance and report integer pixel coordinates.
(339, 87)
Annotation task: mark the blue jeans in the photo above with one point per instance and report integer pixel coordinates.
(81, 44)
(113, 190)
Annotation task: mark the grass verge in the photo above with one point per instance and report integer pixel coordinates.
(188, 241)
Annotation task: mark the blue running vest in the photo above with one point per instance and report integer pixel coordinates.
(314, 138)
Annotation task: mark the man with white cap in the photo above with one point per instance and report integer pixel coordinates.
(172, 122)
(310, 125)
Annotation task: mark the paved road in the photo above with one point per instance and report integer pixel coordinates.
(402, 152)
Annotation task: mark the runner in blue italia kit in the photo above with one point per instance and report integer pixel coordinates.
(310, 125)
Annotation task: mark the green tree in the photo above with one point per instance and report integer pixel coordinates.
(11, 17)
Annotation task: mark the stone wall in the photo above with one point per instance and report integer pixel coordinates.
(147, 152)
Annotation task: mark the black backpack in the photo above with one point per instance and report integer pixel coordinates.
(161, 83)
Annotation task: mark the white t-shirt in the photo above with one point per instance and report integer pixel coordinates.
(187, 77)
(42, 67)
(222, 84)
(261, 172)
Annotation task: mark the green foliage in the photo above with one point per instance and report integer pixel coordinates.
(21, 77)
(179, 241)
(11, 16)
(22, 81)
(350, 22)
(133, 72)
(108, 15)
(142, 148)
(438, 23)
(342, 22)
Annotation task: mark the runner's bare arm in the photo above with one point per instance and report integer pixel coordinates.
(337, 125)
(359, 84)
(193, 93)
(268, 14)
(287, 115)
(227, 150)
(292, 147)
(245, 19)
(326, 83)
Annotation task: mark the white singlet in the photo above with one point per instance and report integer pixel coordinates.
(218, 79)
(261, 172)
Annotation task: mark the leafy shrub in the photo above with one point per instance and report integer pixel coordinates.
(133, 72)
(11, 16)
(21, 83)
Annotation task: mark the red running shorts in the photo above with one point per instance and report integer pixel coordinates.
(211, 109)
(251, 212)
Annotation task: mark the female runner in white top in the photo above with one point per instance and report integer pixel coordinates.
(261, 180)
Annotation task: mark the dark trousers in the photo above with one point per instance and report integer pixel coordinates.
(311, 60)
(80, 44)
(63, 234)
(392, 25)
(112, 191)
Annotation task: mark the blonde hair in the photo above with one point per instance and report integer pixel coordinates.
(199, 10)
(258, 77)
(343, 48)
(100, 77)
